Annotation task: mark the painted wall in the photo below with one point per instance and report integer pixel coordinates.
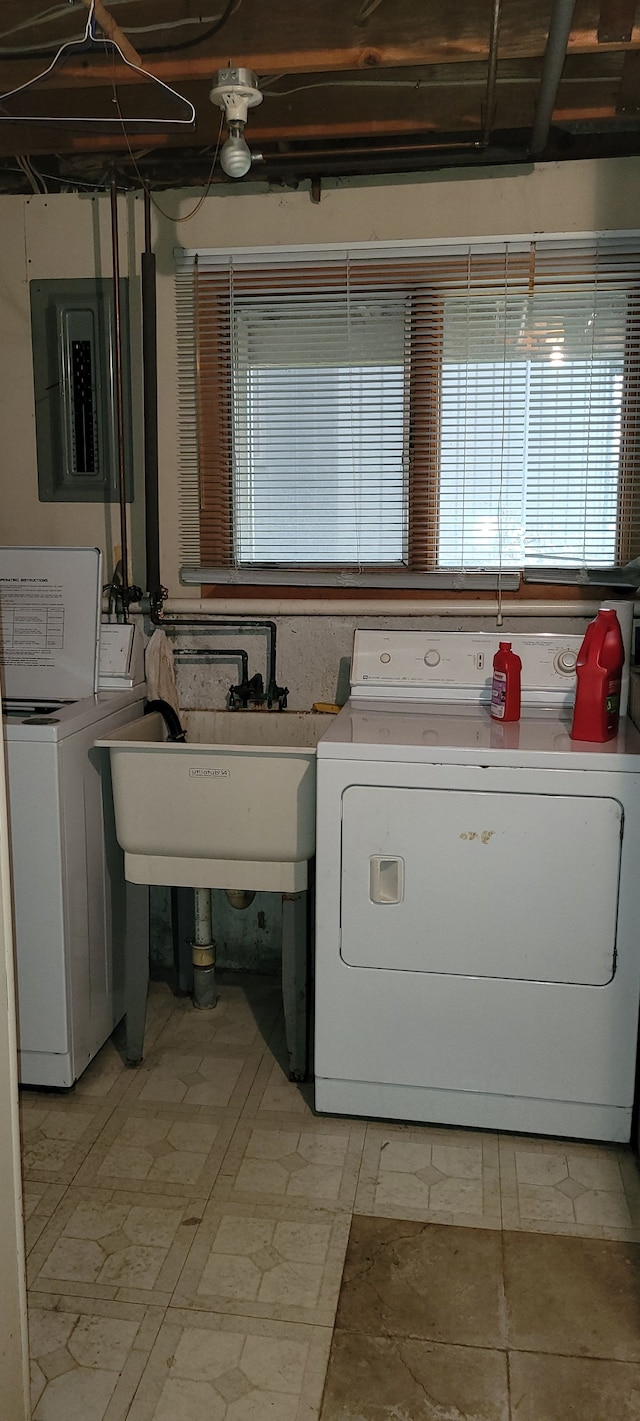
(69, 235)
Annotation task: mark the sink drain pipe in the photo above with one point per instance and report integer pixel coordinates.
(204, 955)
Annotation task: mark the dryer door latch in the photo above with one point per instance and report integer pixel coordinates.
(386, 879)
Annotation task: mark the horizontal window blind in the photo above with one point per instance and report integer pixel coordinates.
(406, 410)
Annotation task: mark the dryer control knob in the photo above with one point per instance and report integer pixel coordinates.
(432, 658)
(565, 662)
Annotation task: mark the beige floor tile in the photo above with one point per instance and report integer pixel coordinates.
(558, 1186)
(104, 1244)
(39, 1202)
(87, 1357)
(162, 1151)
(107, 1077)
(192, 1080)
(161, 1005)
(207, 1367)
(547, 1388)
(273, 1096)
(258, 1260)
(241, 1018)
(404, 1379)
(311, 1161)
(202, 1189)
(57, 1134)
(433, 1175)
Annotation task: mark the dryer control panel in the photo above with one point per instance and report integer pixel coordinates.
(458, 666)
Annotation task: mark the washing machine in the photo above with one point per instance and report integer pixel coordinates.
(478, 896)
(67, 867)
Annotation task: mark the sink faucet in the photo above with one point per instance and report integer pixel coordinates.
(253, 692)
(247, 691)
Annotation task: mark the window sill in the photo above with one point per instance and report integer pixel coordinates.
(308, 582)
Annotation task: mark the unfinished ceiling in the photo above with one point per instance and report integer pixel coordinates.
(350, 87)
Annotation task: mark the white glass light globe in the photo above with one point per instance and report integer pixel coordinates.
(235, 156)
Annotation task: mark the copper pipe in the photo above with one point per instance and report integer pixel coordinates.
(378, 149)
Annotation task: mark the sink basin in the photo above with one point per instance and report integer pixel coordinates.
(233, 807)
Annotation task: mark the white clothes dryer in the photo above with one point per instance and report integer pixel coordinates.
(478, 896)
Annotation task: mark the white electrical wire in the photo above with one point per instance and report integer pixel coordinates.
(421, 84)
(24, 165)
(55, 13)
(169, 217)
(90, 41)
(59, 12)
(68, 182)
(366, 10)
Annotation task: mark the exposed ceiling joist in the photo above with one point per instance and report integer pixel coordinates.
(347, 86)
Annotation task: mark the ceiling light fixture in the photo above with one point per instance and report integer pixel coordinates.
(235, 92)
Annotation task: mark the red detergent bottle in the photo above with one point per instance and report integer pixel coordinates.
(505, 687)
(599, 670)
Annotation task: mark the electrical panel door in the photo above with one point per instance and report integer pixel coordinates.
(73, 334)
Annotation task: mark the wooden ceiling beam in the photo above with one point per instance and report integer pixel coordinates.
(424, 50)
(617, 18)
(629, 92)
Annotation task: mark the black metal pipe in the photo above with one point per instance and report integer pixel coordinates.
(380, 149)
(170, 717)
(554, 58)
(117, 368)
(194, 622)
(233, 653)
(150, 411)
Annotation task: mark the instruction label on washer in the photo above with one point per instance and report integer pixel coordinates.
(32, 621)
(49, 621)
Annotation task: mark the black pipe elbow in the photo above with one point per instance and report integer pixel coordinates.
(170, 718)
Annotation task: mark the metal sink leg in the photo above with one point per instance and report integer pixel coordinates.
(136, 969)
(295, 954)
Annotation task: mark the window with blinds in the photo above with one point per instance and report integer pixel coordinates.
(410, 411)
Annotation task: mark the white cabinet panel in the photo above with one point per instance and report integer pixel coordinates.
(521, 886)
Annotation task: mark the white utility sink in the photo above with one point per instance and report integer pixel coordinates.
(232, 807)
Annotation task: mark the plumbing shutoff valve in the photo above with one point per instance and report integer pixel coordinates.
(235, 92)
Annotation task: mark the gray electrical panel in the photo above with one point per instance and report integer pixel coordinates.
(73, 335)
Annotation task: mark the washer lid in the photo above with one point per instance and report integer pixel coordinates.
(50, 622)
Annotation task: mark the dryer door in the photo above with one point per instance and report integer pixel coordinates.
(478, 884)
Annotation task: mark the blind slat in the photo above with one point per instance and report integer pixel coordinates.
(468, 409)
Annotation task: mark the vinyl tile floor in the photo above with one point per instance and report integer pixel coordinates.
(202, 1247)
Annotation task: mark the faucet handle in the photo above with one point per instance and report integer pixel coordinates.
(279, 694)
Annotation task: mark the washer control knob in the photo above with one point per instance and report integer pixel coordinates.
(565, 662)
(385, 658)
(432, 658)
